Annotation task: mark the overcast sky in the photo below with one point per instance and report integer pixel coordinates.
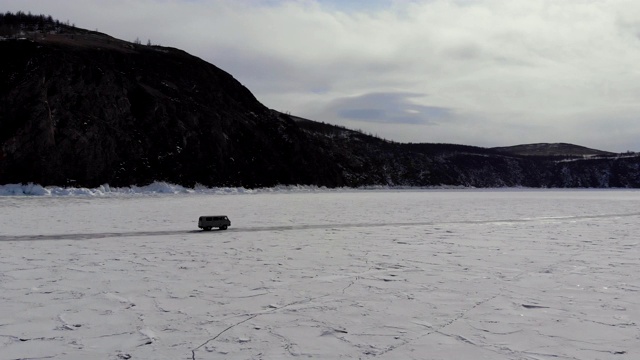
(476, 72)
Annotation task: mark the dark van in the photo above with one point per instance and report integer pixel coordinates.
(207, 223)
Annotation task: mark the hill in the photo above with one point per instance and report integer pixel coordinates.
(557, 149)
(81, 108)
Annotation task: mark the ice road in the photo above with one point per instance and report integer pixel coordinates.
(410, 274)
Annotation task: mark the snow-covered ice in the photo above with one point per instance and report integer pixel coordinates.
(385, 274)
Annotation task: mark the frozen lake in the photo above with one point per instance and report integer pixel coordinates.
(411, 274)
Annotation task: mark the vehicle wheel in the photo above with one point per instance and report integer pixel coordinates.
(208, 228)
(223, 227)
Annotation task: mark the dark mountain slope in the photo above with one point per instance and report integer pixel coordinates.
(555, 149)
(81, 108)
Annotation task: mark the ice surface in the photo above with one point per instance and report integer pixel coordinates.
(435, 274)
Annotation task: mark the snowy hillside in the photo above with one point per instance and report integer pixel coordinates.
(431, 274)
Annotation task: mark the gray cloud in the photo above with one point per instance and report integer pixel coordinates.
(394, 108)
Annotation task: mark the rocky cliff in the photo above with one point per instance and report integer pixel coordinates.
(82, 108)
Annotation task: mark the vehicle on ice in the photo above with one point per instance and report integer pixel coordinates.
(207, 223)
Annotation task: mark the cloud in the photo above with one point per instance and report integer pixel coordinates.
(394, 108)
(514, 71)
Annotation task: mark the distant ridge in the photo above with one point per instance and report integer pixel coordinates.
(551, 149)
